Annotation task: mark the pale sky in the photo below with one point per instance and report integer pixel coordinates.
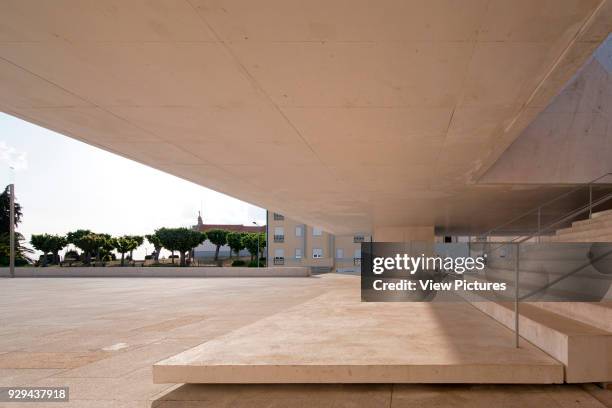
(63, 185)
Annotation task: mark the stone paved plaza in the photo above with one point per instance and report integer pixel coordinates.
(100, 337)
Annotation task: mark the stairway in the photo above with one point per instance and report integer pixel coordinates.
(578, 334)
(598, 228)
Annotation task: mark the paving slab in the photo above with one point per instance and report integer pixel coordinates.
(336, 338)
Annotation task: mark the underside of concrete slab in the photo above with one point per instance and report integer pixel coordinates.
(335, 338)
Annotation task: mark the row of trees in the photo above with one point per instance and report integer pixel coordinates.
(101, 246)
(182, 240)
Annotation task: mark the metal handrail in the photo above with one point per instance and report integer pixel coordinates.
(539, 208)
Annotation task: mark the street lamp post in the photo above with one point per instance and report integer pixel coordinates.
(12, 230)
(257, 225)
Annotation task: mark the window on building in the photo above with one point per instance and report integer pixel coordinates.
(357, 257)
(298, 253)
(279, 256)
(279, 234)
(339, 253)
(317, 253)
(278, 217)
(298, 231)
(317, 232)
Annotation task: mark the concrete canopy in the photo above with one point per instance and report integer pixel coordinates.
(343, 114)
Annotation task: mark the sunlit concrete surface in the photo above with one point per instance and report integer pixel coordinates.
(336, 338)
(344, 115)
(100, 337)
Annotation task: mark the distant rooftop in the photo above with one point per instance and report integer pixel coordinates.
(200, 226)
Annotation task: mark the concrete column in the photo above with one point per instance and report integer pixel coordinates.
(404, 234)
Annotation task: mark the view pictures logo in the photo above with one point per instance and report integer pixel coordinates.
(412, 264)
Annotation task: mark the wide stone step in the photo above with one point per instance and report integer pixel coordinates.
(584, 350)
(594, 226)
(596, 314)
(595, 217)
(593, 232)
(336, 338)
(600, 214)
(606, 237)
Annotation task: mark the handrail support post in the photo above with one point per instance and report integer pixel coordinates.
(516, 297)
(590, 200)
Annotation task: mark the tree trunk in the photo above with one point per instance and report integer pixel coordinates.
(217, 252)
(132, 255)
(172, 255)
(56, 260)
(156, 256)
(44, 262)
(122, 258)
(182, 257)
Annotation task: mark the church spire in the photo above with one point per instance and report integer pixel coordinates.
(200, 222)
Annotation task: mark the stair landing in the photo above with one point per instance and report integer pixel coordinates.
(335, 338)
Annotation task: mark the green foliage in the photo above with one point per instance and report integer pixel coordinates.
(76, 235)
(155, 241)
(5, 211)
(180, 239)
(125, 244)
(218, 237)
(21, 251)
(47, 243)
(91, 243)
(238, 262)
(253, 264)
(234, 240)
(254, 241)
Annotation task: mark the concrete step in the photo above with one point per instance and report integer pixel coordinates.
(594, 226)
(336, 338)
(584, 350)
(605, 237)
(592, 232)
(596, 314)
(603, 216)
(599, 214)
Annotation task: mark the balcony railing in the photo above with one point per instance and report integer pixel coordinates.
(279, 261)
(357, 239)
(357, 261)
(279, 238)
(278, 217)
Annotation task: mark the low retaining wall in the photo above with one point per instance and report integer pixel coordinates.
(156, 272)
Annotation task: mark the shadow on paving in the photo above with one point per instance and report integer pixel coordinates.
(379, 395)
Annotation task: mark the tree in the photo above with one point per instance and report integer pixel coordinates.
(5, 211)
(56, 243)
(234, 240)
(218, 237)
(90, 243)
(105, 247)
(74, 237)
(154, 240)
(41, 243)
(124, 245)
(47, 243)
(139, 240)
(21, 257)
(250, 243)
(180, 239)
(254, 242)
